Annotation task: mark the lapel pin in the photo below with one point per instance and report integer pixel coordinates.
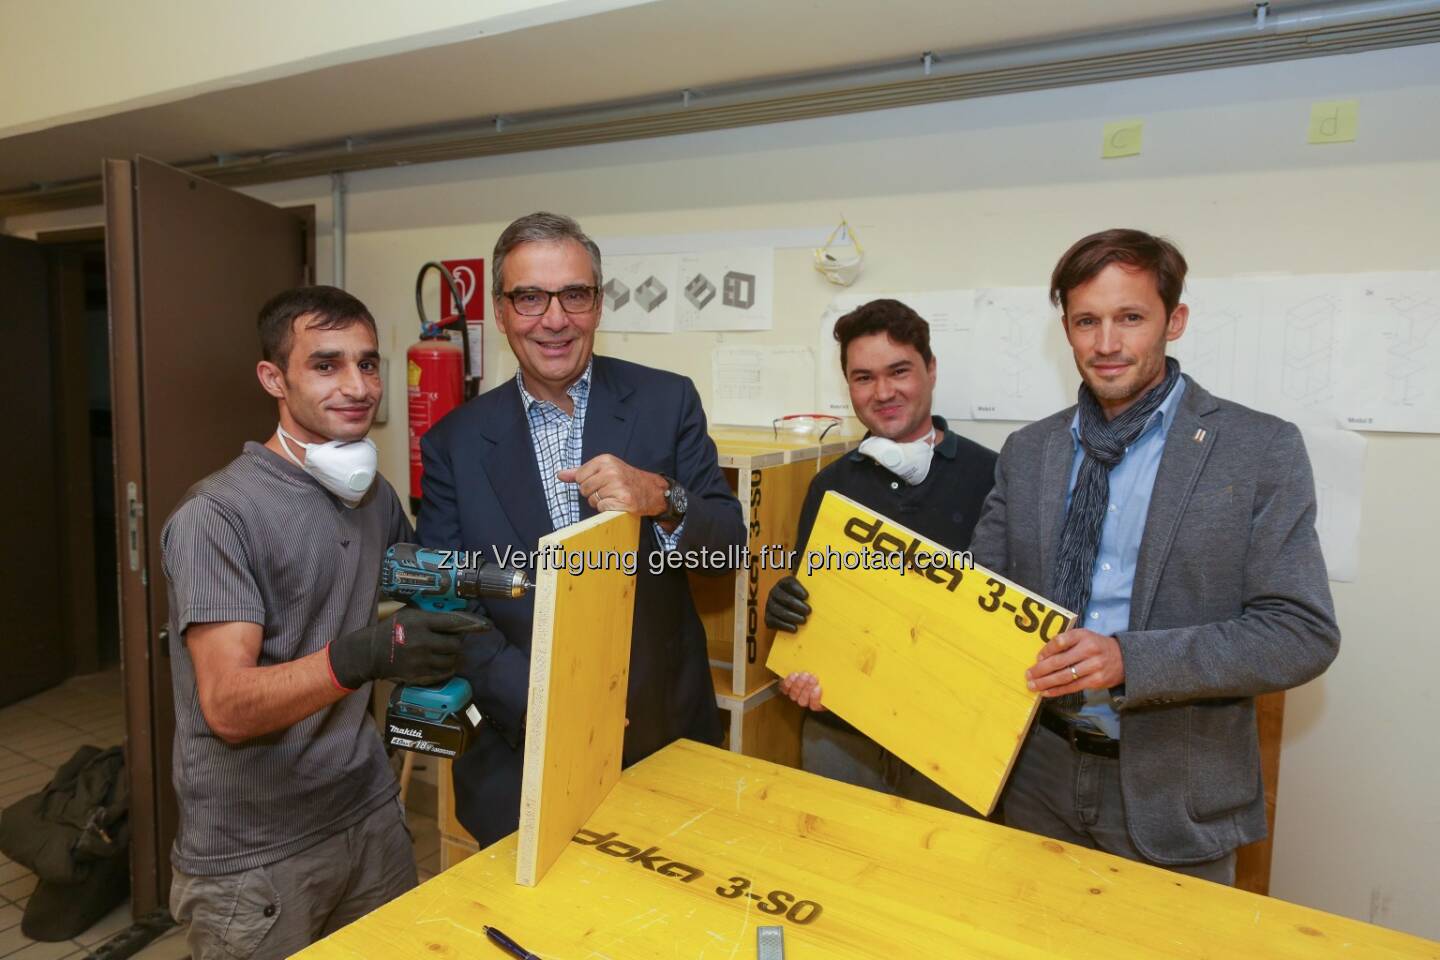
(1200, 435)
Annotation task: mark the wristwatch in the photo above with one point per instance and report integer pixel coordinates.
(677, 501)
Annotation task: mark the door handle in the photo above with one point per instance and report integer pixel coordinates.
(134, 510)
(164, 637)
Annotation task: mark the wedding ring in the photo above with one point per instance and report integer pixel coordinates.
(1074, 674)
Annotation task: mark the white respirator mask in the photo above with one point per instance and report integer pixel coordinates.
(344, 467)
(908, 461)
(839, 265)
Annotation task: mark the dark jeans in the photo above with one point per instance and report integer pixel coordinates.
(280, 908)
(1061, 793)
(852, 757)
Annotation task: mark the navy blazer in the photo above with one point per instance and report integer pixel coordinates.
(482, 492)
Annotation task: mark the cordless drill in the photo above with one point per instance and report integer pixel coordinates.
(434, 719)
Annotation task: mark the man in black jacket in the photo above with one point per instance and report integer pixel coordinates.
(910, 468)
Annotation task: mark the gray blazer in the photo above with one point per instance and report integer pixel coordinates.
(1231, 600)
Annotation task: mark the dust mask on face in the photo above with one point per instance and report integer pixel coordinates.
(908, 461)
(344, 467)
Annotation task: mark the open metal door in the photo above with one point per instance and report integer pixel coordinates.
(190, 263)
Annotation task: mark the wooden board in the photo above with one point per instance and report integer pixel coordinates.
(1252, 861)
(692, 832)
(930, 664)
(579, 674)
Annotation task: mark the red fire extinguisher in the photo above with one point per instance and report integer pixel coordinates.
(436, 372)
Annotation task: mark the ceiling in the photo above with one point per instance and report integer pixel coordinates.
(639, 51)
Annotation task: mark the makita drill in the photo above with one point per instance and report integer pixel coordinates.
(421, 718)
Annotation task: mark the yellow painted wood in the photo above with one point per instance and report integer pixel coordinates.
(770, 475)
(775, 497)
(892, 879)
(914, 659)
(579, 668)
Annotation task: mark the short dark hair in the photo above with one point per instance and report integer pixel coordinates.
(1135, 249)
(890, 317)
(332, 308)
(540, 227)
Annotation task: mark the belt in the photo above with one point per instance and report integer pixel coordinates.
(1081, 738)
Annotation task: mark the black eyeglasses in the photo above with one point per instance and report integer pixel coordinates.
(534, 303)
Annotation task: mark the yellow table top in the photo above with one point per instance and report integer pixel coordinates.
(696, 847)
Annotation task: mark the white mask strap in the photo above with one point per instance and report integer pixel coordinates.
(285, 439)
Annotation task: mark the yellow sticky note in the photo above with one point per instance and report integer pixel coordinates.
(1333, 121)
(1122, 139)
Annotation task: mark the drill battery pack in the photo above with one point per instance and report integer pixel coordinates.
(431, 720)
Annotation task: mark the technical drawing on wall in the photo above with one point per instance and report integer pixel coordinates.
(754, 385)
(1306, 372)
(636, 296)
(1299, 348)
(1392, 354)
(1022, 367)
(727, 289)
(699, 291)
(1220, 346)
(650, 294)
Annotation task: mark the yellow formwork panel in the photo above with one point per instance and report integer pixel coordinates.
(927, 659)
(695, 847)
(579, 673)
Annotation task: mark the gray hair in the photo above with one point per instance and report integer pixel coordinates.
(540, 227)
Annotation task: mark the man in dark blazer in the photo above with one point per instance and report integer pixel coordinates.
(1181, 529)
(572, 435)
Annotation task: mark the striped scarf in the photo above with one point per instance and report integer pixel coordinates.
(1105, 442)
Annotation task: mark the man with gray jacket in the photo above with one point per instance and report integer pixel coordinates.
(1181, 530)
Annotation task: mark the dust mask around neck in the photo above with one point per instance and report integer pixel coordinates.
(908, 461)
(344, 467)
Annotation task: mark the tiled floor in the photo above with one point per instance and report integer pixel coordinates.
(40, 734)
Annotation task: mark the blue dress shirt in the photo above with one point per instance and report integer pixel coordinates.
(1113, 578)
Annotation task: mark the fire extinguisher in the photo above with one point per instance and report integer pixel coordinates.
(436, 372)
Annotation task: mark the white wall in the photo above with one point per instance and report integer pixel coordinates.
(989, 192)
(67, 60)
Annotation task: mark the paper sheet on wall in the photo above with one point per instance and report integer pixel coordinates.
(1391, 378)
(1020, 366)
(1337, 458)
(1220, 346)
(1300, 324)
(755, 385)
(640, 293)
(833, 395)
(951, 315)
(726, 290)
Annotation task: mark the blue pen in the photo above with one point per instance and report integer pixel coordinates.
(508, 945)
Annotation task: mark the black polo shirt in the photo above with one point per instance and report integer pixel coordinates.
(943, 508)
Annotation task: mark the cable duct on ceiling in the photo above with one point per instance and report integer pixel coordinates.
(1260, 36)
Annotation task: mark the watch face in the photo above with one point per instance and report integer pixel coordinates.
(679, 500)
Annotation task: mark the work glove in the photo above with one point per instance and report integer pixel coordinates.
(413, 646)
(785, 608)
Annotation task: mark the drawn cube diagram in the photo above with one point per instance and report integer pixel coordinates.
(1408, 373)
(739, 290)
(616, 294)
(699, 291)
(1309, 331)
(650, 294)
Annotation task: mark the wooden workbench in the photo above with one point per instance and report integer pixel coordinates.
(695, 847)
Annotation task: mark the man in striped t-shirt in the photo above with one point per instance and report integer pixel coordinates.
(289, 825)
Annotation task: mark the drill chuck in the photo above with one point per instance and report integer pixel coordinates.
(491, 581)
